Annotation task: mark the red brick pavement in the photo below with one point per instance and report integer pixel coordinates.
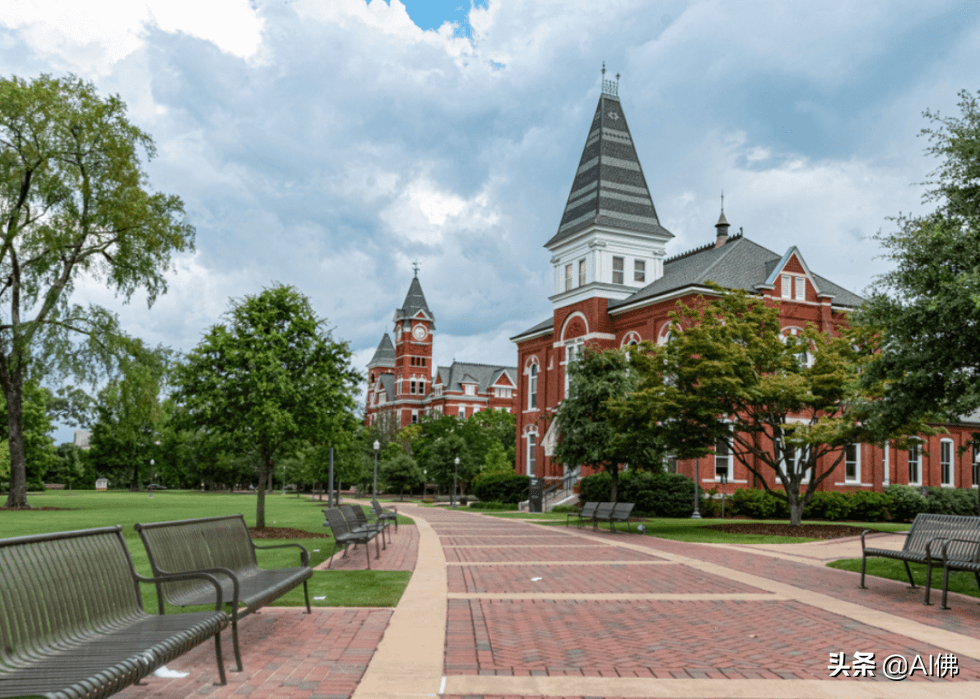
(509, 540)
(562, 553)
(699, 639)
(654, 579)
(884, 595)
(285, 653)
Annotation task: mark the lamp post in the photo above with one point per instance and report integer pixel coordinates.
(697, 477)
(455, 476)
(151, 473)
(284, 479)
(377, 447)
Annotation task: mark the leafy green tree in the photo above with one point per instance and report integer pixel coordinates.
(70, 467)
(926, 310)
(38, 446)
(498, 459)
(130, 417)
(401, 473)
(487, 428)
(440, 462)
(586, 433)
(74, 200)
(268, 377)
(786, 405)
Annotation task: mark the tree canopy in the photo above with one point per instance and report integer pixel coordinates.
(267, 377)
(926, 311)
(75, 203)
(730, 380)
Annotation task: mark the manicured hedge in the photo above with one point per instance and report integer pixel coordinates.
(672, 495)
(500, 487)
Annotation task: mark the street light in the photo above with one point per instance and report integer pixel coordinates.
(377, 447)
(455, 474)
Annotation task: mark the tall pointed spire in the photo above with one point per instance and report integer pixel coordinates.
(414, 302)
(722, 226)
(609, 188)
(384, 356)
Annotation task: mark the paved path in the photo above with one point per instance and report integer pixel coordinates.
(506, 608)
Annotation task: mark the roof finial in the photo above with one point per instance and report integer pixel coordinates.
(722, 226)
(608, 86)
(415, 266)
(603, 70)
(723, 201)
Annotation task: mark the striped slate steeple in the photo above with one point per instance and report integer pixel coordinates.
(609, 188)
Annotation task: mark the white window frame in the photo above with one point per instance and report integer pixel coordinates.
(469, 389)
(917, 461)
(856, 478)
(785, 286)
(415, 417)
(581, 273)
(791, 462)
(976, 466)
(462, 412)
(568, 277)
(727, 461)
(532, 456)
(411, 387)
(621, 261)
(800, 284)
(947, 463)
(532, 386)
(640, 271)
(572, 351)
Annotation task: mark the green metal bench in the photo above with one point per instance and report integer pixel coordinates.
(387, 516)
(924, 541)
(343, 535)
(72, 622)
(586, 513)
(620, 513)
(962, 553)
(223, 547)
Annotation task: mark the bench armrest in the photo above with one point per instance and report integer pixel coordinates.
(304, 555)
(946, 542)
(203, 575)
(877, 530)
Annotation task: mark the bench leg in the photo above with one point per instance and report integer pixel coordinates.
(909, 572)
(221, 662)
(367, 553)
(377, 551)
(945, 587)
(864, 561)
(306, 594)
(928, 582)
(234, 640)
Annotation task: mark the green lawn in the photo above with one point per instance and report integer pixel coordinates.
(87, 509)
(959, 581)
(696, 530)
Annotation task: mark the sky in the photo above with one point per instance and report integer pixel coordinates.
(328, 144)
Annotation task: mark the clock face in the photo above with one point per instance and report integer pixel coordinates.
(418, 332)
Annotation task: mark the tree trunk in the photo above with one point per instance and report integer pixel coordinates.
(795, 507)
(13, 385)
(260, 495)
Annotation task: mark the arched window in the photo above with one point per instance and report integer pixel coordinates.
(946, 471)
(631, 338)
(532, 386)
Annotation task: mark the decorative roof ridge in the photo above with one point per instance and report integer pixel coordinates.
(708, 246)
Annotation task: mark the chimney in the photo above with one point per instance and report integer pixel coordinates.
(722, 225)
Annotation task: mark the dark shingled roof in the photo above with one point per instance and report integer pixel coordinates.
(388, 384)
(384, 355)
(738, 264)
(414, 302)
(609, 188)
(548, 324)
(484, 375)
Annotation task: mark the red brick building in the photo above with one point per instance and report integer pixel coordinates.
(400, 377)
(614, 285)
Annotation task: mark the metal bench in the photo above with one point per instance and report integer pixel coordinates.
(223, 547)
(384, 515)
(357, 521)
(586, 513)
(620, 513)
(602, 513)
(923, 543)
(343, 535)
(957, 553)
(72, 622)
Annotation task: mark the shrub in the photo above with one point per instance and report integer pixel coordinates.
(869, 506)
(904, 502)
(653, 494)
(500, 487)
(753, 503)
(492, 505)
(829, 505)
(565, 508)
(951, 501)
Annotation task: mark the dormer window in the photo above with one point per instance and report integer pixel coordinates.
(639, 271)
(618, 270)
(469, 389)
(786, 286)
(801, 288)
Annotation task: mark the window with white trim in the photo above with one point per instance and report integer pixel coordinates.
(946, 476)
(639, 271)
(792, 456)
(568, 277)
(915, 464)
(723, 459)
(532, 443)
(415, 417)
(469, 389)
(852, 463)
(532, 387)
(618, 270)
(800, 288)
(411, 387)
(670, 463)
(571, 355)
(786, 290)
(462, 412)
(976, 465)
(581, 272)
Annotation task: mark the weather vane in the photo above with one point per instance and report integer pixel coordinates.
(415, 266)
